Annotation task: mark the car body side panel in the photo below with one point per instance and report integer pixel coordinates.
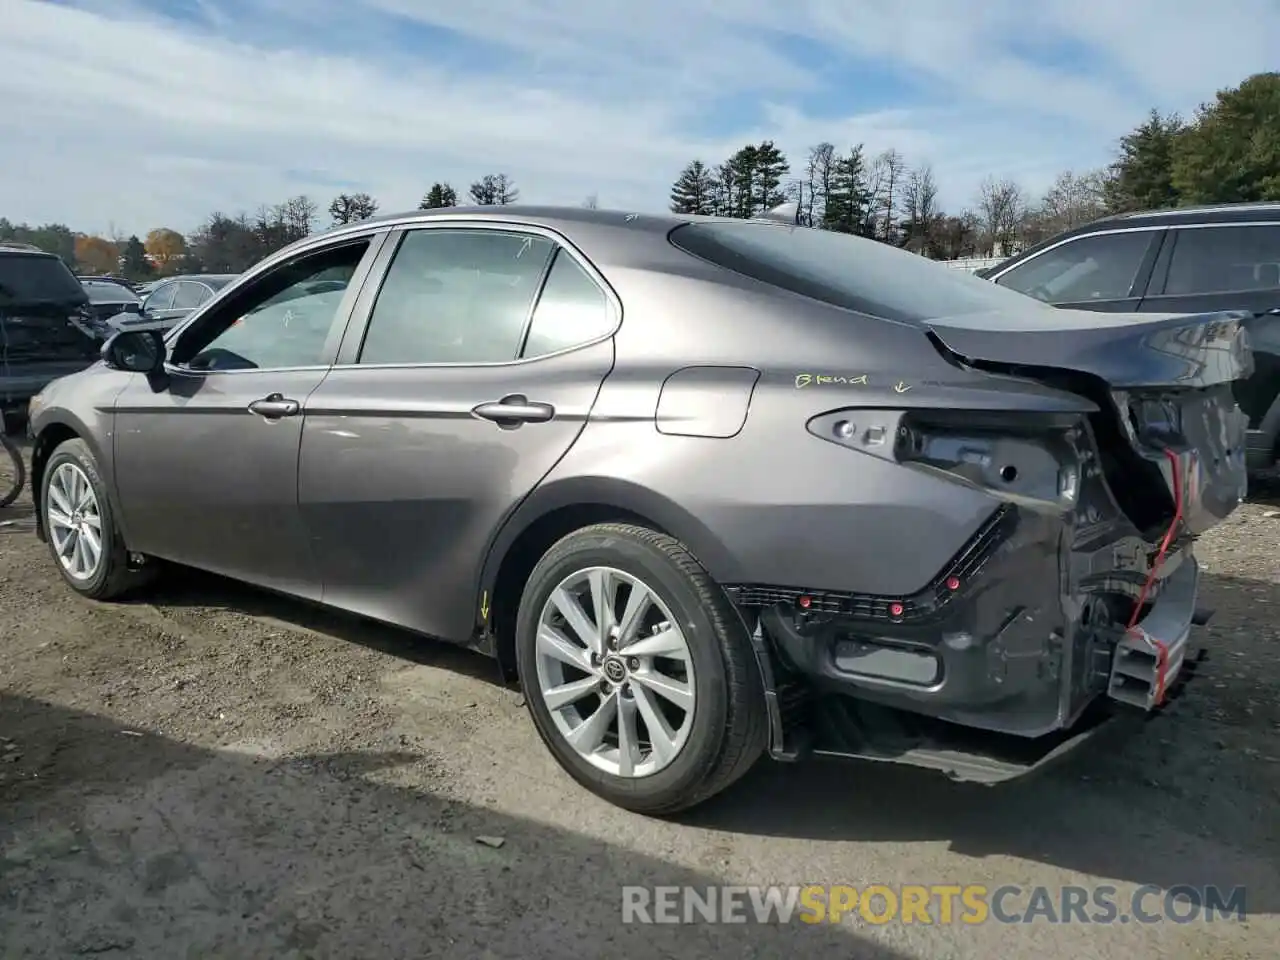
(401, 486)
(91, 416)
(706, 401)
(774, 504)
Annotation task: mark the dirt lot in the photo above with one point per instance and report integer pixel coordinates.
(218, 773)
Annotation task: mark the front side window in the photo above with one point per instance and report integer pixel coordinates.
(571, 310)
(1101, 267)
(456, 296)
(1224, 259)
(282, 320)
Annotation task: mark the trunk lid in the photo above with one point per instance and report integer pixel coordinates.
(1163, 384)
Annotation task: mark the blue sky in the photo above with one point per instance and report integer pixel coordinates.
(129, 114)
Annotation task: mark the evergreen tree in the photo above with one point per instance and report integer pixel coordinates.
(134, 257)
(849, 198)
(1231, 153)
(440, 195)
(1141, 178)
(693, 191)
(770, 169)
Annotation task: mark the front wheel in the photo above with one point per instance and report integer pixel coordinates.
(638, 673)
(80, 526)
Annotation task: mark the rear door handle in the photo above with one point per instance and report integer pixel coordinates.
(513, 410)
(275, 406)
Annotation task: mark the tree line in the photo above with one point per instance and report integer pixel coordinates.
(230, 243)
(1229, 151)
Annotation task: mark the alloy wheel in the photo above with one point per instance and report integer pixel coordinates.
(75, 521)
(615, 672)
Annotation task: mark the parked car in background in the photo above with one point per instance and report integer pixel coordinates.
(1184, 260)
(47, 329)
(112, 279)
(708, 488)
(107, 298)
(173, 298)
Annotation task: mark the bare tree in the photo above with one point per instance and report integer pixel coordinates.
(1072, 200)
(817, 183)
(592, 202)
(893, 168)
(920, 208)
(1001, 209)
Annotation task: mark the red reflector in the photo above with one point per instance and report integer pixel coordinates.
(805, 601)
(953, 583)
(895, 609)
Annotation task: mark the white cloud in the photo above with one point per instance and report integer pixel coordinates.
(116, 115)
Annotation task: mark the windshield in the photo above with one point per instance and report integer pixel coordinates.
(852, 272)
(104, 291)
(33, 278)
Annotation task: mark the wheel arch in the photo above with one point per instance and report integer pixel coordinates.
(553, 512)
(52, 433)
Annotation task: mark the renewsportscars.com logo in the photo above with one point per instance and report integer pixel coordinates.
(941, 904)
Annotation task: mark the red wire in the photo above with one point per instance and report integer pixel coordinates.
(1162, 650)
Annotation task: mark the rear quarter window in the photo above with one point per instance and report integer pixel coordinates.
(27, 278)
(851, 272)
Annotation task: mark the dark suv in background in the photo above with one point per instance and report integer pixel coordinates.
(46, 327)
(1185, 260)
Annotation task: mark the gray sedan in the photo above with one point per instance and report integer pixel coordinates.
(707, 488)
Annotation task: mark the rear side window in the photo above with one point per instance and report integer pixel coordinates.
(1101, 267)
(188, 295)
(30, 278)
(852, 272)
(456, 296)
(1224, 259)
(572, 310)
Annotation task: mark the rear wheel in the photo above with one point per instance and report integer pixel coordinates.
(80, 527)
(638, 673)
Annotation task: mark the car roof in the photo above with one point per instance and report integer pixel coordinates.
(1181, 216)
(17, 248)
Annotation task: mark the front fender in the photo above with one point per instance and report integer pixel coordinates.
(53, 423)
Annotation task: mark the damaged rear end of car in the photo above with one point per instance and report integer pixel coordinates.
(1036, 483)
(1074, 603)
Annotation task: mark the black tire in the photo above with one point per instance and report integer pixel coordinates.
(730, 725)
(113, 577)
(13, 471)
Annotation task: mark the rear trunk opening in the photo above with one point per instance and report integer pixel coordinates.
(1167, 420)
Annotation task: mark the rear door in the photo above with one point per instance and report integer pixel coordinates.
(465, 375)
(1105, 271)
(1228, 267)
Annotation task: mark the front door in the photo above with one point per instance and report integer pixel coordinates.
(206, 465)
(480, 358)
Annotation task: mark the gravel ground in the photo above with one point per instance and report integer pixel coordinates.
(218, 773)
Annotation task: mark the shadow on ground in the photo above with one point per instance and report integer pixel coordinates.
(1166, 807)
(115, 843)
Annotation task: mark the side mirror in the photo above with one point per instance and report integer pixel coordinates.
(135, 351)
(135, 307)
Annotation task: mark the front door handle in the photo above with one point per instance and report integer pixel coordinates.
(513, 410)
(275, 406)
